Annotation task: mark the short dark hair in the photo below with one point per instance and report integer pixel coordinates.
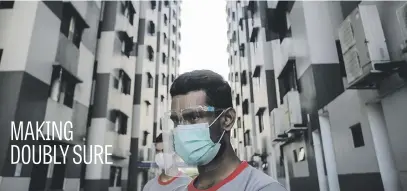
(159, 138)
(218, 91)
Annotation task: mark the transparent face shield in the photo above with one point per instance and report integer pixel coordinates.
(155, 166)
(191, 126)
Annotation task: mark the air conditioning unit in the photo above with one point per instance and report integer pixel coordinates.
(363, 43)
(276, 122)
(293, 108)
(280, 124)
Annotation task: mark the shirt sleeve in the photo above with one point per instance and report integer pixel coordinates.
(273, 187)
(146, 186)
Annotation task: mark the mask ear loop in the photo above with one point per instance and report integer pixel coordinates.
(223, 133)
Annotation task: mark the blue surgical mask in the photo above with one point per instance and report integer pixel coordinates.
(193, 143)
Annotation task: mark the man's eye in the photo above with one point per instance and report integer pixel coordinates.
(192, 117)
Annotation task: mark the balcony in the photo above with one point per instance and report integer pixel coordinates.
(122, 102)
(123, 24)
(121, 146)
(287, 54)
(125, 63)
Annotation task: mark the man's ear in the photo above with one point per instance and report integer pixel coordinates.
(229, 117)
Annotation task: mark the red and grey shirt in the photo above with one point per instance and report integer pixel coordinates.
(244, 178)
(174, 184)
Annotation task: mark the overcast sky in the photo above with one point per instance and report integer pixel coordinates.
(204, 36)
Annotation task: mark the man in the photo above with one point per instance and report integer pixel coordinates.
(164, 182)
(203, 137)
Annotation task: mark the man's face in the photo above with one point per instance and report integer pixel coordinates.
(196, 99)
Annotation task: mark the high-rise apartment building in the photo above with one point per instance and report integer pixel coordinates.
(335, 91)
(104, 66)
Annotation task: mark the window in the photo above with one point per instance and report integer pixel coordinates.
(179, 23)
(151, 28)
(150, 53)
(123, 47)
(242, 49)
(174, 29)
(243, 78)
(164, 79)
(245, 106)
(288, 79)
(150, 80)
(71, 28)
(164, 57)
(295, 155)
(127, 43)
(247, 141)
(72, 25)
(357, 135)
(172, 77)
(236, 77)
(173, 45)
(165, 20)
(233, 15)
(128, 11)
(237, 99)
(116, 82)
(63, 86)
(6, 4)
(145, 136)
(115, 179)
(174, 14)
(241, 23)
(153, 4)
(172, 61)
(165, 38)
(179, 36)
(256, 74)
(162, 100)
(120, 122)
(122, 82)
(261, 123)
(179, 49)
(147, 107)
(239, 124)
(301, 154)
(234, 133)
(166, 3)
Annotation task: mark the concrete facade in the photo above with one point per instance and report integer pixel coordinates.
(89, 63)
(359, 130)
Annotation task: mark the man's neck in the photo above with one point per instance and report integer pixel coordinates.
(164, 177)
(217, 170)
